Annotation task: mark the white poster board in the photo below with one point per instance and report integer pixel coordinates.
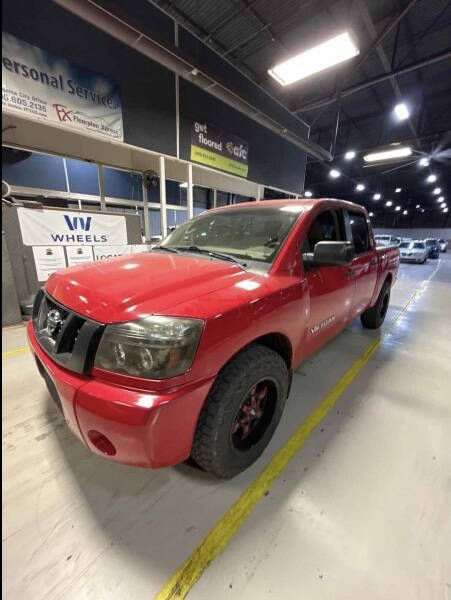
(48, 259)
(105, 252)
(77, 255)
(51, 88)
(42, 227)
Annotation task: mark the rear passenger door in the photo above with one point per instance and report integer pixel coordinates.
(363, 268)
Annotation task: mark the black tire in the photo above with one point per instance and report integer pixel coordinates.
(219, 447)
(373, 317)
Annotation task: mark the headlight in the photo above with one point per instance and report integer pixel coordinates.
(154, 347)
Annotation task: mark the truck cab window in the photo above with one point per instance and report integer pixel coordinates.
(360, 233)
(327, 227)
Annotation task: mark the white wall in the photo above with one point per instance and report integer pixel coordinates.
(416, 233)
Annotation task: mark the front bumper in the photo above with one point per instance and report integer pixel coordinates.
(125, 425)
(415, 259)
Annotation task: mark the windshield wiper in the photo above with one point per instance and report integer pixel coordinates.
(167, 248)
(211, 253)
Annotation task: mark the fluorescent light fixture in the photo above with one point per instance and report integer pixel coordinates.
(397, 190)
(437, 191)
(308, 194)
(443, 205)
(318, 58)
(417, 206)
(445, 210)
(424, 162)
(441, 198)
(334, 173)
(376, 197)
(398, 208)
(404, 212)
(183, 185)
(401, 111)
(359, 187)
(401, 152)
(389, 203)
(371, 214)
(350, 154)
(431, 178)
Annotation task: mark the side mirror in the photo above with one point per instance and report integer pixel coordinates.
(329, 254)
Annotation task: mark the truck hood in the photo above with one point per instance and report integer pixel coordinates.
(135, 286)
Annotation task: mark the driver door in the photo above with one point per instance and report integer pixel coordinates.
(331, 289)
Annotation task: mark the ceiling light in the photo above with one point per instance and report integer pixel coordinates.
(371, 214)
(388, 154)
(401, 111)
(422, 210)
(350, 154)
(431, 178)
(443, 205)
(308, 194)
(388, 203)
(334, 173)
(359, 187)
(417, 206)
(318, 58)
(424, 162)
(398, 208)
(437, 191)
(376, 197)
(404, 212)
(441, 198)
(445, 210)
(397, 190)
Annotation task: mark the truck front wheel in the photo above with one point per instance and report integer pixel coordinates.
(373, 317)
(241, 412)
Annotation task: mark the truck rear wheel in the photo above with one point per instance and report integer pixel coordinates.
(241, 412)
(373, 317)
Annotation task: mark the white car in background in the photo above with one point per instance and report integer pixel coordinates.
(386, 240)
(415, 251)
(443, 245)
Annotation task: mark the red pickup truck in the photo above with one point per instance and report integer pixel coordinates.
(189, 351)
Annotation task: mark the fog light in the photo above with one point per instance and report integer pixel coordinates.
(101, 442)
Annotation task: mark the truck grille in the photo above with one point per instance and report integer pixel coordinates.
(68, 338)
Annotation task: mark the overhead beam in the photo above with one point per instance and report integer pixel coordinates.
(375, 81)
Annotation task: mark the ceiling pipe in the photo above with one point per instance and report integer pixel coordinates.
(124, 32)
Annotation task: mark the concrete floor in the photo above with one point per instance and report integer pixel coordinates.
(363, 510)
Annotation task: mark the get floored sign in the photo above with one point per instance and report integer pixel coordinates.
(215, 148)
(54, 89)
(41, 227)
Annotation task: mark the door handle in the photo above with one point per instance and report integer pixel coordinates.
(350, 273)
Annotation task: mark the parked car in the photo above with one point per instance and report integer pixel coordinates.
(385, 240)
(433, 247)
(413, 252)
(189, 350)
(443, 245)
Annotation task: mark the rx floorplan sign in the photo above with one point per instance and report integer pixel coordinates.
(215, 148)
(43, 227)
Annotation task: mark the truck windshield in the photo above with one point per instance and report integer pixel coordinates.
(252, 233)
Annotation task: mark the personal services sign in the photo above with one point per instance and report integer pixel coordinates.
(39, 84)
(42, 227)
(215, 148)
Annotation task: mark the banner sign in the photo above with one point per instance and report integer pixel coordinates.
(215, 148)
(52, 88)
(42, 227)
(48, 259)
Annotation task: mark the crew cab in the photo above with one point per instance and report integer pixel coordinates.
(189, 350)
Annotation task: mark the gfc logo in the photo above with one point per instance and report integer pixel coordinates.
(73, 223)
(238, 151)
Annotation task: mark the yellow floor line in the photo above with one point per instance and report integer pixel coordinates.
(14, 352)
(181, 582)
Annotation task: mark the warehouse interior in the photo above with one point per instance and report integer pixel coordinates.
(122, 122)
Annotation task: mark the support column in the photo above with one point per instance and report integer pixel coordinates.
(260, 192)
(147, 231)
(163, 215)
(215, 198)
(189, 194)
(101, 187)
